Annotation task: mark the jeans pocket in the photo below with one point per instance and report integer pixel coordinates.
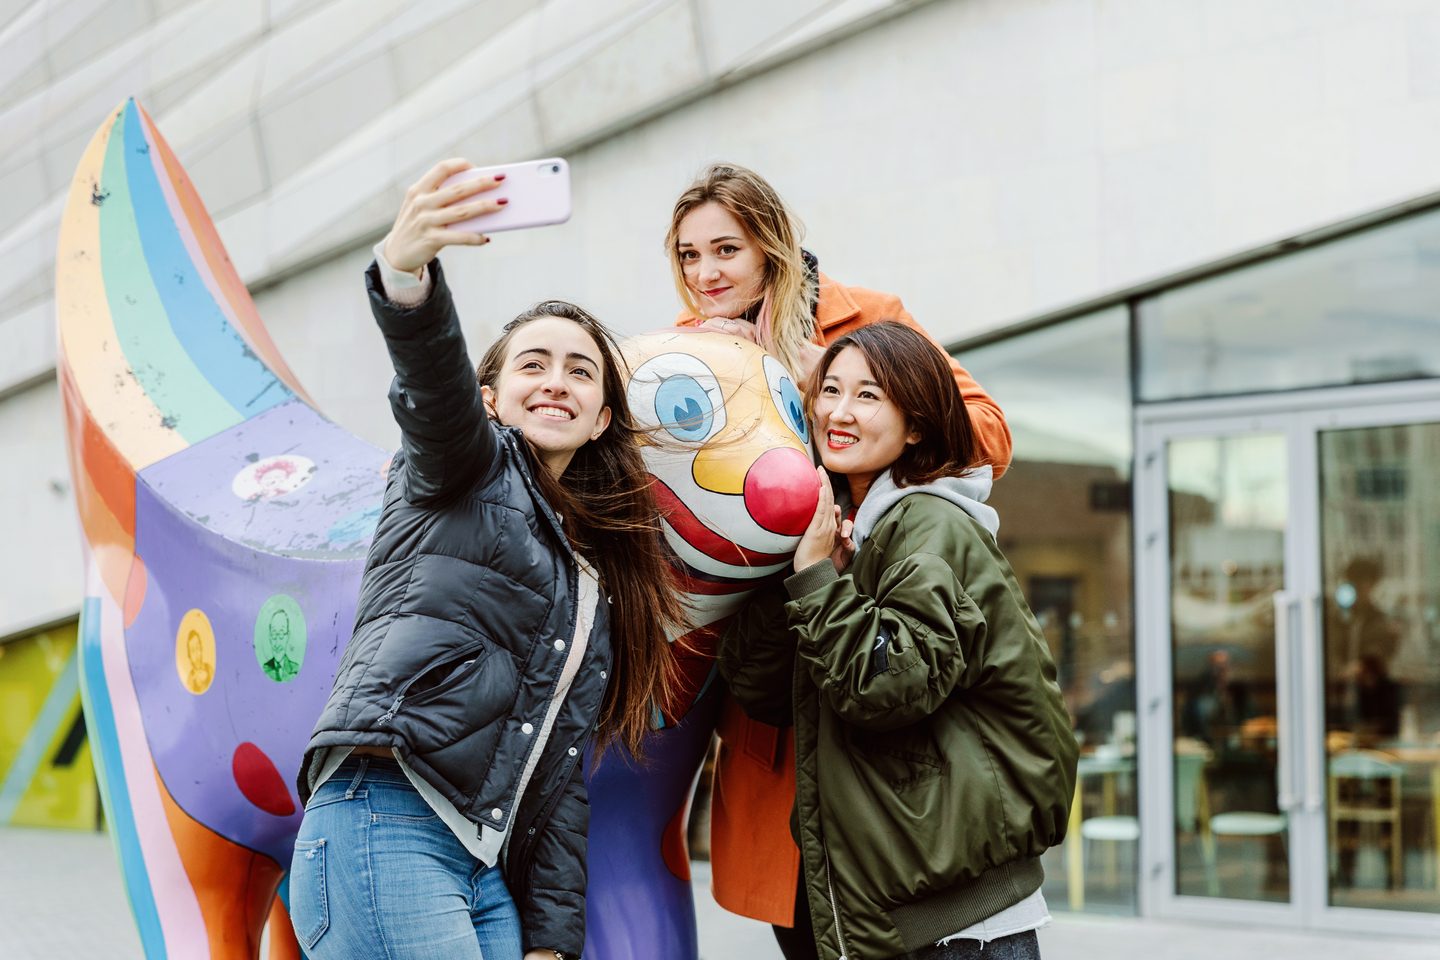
(309, 908)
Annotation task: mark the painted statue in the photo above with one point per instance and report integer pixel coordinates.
(226, 523)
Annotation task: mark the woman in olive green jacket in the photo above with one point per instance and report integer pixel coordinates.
(935, 760)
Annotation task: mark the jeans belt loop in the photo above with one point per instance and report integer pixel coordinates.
(359, 775)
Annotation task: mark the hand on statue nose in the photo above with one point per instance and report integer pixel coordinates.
(781, 489)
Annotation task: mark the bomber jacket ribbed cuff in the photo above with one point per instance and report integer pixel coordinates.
(812, 578)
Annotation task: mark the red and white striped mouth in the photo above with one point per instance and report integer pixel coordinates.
(700, 537)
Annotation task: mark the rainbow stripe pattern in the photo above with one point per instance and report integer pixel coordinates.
(225, 524)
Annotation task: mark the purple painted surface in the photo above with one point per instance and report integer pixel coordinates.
(634, 906)
(307, 487)
(194, 738)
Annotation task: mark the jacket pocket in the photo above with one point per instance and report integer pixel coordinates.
(902, 758)
(457, 695)
(309, 904)
(435, 676)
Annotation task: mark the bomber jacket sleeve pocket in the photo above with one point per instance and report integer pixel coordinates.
(891, 660)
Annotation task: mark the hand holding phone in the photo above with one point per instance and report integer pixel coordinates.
(454, 201)
(535, 193)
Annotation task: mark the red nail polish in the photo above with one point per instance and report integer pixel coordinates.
(502, 201)
(499, 177)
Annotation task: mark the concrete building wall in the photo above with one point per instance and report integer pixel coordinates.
(987, 159)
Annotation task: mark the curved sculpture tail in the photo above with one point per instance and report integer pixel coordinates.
(214, 502)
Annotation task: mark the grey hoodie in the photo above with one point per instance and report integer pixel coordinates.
(968, 492)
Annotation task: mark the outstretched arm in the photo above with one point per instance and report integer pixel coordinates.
(445, 441)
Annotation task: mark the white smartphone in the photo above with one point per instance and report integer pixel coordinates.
(538, 191)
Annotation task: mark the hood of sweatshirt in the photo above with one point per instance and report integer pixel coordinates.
(968, 492)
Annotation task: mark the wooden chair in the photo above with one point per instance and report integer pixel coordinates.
(1191, 810)
(1365, 791)
(1233, 823)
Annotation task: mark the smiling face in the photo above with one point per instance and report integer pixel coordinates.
(550, 386)
(859, 430)
(723, 266)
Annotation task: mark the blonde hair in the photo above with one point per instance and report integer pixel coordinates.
(786, 320)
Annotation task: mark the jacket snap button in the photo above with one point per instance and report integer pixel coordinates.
(603, 675)
(527, 728)
(497, 813)
(559, 644)
(573, 751)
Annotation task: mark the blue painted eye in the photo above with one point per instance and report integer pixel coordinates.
(787, 398)
(684, 408)
(793, 409)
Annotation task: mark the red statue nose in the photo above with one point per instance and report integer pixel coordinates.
(781, 490)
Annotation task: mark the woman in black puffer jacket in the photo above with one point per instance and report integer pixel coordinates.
(516, 599)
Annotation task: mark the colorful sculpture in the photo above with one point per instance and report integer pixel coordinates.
(226, 522)
(733, 476)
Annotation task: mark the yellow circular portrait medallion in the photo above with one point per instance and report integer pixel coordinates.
(195, 652)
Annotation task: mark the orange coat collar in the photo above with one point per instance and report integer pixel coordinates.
(836, 304)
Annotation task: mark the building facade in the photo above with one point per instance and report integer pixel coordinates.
(1225, 511)
(1189, 246)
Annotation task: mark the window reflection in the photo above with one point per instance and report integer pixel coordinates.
(1065, 527)
(1380, 542)
(1227, 555)
(1356, 310)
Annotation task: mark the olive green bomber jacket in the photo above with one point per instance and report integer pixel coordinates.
(935, 760)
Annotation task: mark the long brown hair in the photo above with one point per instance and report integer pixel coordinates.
(917, 378)
(612, 520)
(749, 198)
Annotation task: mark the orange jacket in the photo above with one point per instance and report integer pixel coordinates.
(754, 863)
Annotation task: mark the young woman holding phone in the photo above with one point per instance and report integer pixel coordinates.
(738, 267)
(934, 751)
(514, 604)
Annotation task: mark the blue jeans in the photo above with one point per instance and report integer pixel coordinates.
(376, 873)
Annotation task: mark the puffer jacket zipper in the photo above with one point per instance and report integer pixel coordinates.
(438, 664)
(834, 904)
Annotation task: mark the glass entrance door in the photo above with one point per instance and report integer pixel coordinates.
(1229, 508)
(1379, 624)
(1288, 585)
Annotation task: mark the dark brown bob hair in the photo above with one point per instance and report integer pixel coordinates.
(916, 376)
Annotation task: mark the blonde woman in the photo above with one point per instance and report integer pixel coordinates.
(735, 254)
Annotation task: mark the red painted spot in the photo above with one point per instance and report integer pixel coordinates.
(135, 586)
(260, 782)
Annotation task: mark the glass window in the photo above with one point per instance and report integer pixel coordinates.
(1380, 547)
(1229, 508)
(1065, 527)
(1361, 309)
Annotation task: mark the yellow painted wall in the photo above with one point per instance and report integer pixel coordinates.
(46, 777)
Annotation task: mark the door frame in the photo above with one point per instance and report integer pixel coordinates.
(1299, 416)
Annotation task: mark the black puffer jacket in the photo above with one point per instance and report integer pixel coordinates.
(467, 609)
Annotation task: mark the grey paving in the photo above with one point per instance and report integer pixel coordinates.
(61, 897)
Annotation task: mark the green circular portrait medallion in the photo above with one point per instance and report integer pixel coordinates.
(280, 638)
